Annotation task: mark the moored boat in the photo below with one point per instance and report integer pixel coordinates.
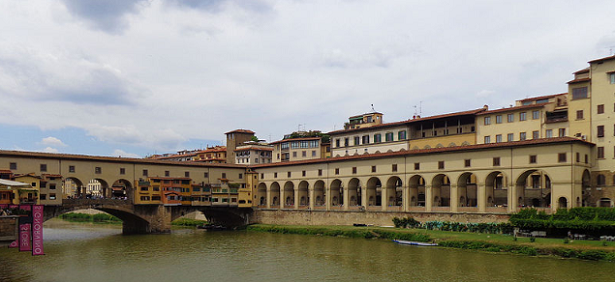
(404, 242)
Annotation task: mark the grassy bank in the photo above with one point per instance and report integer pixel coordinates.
(188, 222)
(590, 250)
(99, 218)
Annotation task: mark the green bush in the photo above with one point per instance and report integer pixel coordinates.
(188, 222)
(592, 255)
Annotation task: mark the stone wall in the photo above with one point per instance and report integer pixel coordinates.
(8, 228)
(293, 217)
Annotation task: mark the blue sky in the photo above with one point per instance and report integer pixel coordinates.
(137, 77)
(76, 141)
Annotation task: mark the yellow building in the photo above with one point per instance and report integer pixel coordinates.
(28, 195)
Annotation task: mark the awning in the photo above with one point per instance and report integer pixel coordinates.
(13, 183)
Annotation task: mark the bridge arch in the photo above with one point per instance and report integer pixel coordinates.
(122, 188)
(72, 187)
(133, 222)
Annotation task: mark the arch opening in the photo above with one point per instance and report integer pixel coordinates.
(374, 192)
(467, 190)
(416, 191)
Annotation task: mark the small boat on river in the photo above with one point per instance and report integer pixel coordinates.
(212, 227)
(404, 242)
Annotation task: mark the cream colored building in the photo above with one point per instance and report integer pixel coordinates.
(447, 130)
(253, 154)
(296, 149)
(472, 178)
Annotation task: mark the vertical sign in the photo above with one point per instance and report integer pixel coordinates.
(37, 230)
(25, 240)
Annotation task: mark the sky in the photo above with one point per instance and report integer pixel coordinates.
(133, 78)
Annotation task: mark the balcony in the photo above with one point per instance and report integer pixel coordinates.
(557, 116)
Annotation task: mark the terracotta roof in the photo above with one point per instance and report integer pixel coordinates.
(391, 124)
(52, 175)
(255, 149)
(512, 109)
(6, 171)
(241, 131)
(542, 97)
(364, 115)
(582, 71)
(110, 159)
(464, 113)
(543, 141)
(169, 178)
(579, 80)
(612, 57)
(382, 125)
(31, 174)
(296, 139)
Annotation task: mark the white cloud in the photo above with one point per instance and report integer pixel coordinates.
(121, 153)
(156, 74)
(50, 150)
(52, 141)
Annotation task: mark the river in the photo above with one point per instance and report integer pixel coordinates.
(83, 252)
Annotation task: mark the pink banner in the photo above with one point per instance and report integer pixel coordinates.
(37, 230)
(25, 207)
(14, 244)
(25, 240)
(4, 206)
(13, 206)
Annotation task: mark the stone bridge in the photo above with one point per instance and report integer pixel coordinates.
(139, 219)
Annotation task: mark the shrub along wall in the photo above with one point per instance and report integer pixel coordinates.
(491, 228)
(587, 220)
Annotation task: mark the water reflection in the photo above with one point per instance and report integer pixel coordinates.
(94, 253)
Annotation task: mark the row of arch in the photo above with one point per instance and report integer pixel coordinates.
(75, 188)
(531, 189)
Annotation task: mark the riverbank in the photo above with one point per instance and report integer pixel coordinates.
(588, 250)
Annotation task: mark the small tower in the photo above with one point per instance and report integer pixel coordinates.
(236, 138)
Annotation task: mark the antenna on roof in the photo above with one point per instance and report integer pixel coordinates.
(373, 108)
(420, 108)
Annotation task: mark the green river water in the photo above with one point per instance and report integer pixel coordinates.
(83, 252)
